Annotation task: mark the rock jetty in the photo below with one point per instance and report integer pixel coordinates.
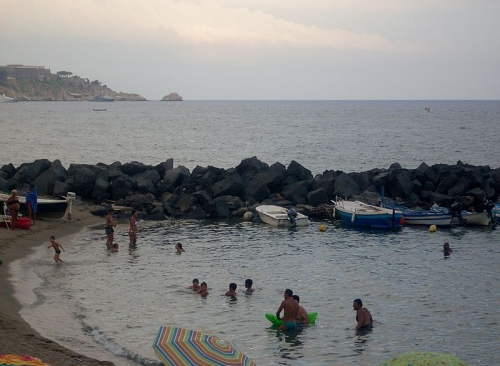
(210, 192)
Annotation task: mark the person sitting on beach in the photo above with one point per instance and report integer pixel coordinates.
(109, 228)
(57, 247)
(178, 248)
(195, 286)
(232, 290)
(132, 231)
(32, 203)
(290, 307)
(203, 289)
(447, 250)
(302, 317)
(13, 207)
(363, 316)
(248, 285)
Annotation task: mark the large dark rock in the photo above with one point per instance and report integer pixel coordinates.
(317, 197)
(122, 187)
(495, 174)
(459, 188)
(186, 202)
(45, 181)
(298, 172)
(115, 171)
(327, 181)
(28, 172)
(273, 177)
(151, 175)
(217, 209)
(81, 181)
(296, 192)
(146, 186)
(4, 185)
(232, 185)
(8, 171)
(100, 171)
(447, 181)
(345, 187)
(163, 167)
(364, 180)
(478, 194)
(255, 188)
(175, 177)
(251, 166)
(420, 173)
(134, 168)
(141, 202)
(489, 188)
(440, 199)
(399, 183)
(381, 179)
(100, 190)
(60, 189)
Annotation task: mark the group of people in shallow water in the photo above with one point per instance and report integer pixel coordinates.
(293, 313)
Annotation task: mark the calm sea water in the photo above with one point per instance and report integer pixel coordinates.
(419, 300)
(322, 135)
(110, 305)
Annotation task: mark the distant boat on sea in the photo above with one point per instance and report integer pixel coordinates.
(6, 99)
(100, 110)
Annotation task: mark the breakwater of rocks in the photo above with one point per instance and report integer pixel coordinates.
(210, 192)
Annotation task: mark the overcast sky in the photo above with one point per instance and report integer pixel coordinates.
(264, 49)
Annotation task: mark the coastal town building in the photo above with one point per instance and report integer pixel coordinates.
(19, 71)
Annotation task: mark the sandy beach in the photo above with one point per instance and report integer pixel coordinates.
(17, 337)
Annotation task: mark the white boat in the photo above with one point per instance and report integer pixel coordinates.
(46, 206)
(356, 213)
(6, 99)
(473, 218)
(278, 216)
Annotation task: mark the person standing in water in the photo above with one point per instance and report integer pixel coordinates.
(248, 285)
(363, 316)
(290, 306)
(57, 247)
(109, 228)
(447, 250)
(132, 231)
(178, 248)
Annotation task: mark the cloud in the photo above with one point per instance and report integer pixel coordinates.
(165, 22)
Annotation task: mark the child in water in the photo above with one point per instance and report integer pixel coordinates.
(203, 289)
(447, 250)
(57, 247)
(178, 248)
(232, 289)
(248, 286)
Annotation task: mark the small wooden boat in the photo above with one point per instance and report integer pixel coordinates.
(438, 216)
(279, 216)
(100, 110)
(473, 218)
(356, 213)
(46, 206)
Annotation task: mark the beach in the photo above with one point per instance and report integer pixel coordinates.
(17, 335)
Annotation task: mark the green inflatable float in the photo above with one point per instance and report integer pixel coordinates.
(277, 322)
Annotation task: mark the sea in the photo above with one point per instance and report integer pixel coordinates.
(110, 305)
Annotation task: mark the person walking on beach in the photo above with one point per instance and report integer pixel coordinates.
(132, 231)
(13, 207)
(447, 250)
(363, 316)
(32, 202)
(302, 317)
(290, 307)
(109, 228)
(232, 290)
(57, 247)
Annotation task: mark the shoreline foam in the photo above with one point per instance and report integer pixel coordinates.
(18, 336)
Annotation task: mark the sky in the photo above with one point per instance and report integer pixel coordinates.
(264, 49)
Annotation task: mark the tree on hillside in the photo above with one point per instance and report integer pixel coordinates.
(64, 74)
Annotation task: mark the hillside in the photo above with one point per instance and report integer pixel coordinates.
(59, 88)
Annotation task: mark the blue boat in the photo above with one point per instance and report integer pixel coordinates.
(437, 215)
(356, 213)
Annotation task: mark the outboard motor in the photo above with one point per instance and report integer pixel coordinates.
(489, 206)
(456, 211)
(292, 215)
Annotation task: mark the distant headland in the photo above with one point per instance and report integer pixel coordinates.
(38, 83)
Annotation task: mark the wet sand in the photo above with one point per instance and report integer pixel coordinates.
(17, 337)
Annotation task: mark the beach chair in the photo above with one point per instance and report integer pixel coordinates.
(6, 216)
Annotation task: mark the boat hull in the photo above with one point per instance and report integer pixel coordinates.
(277, 216)
(474, 218)
(427, 219)
(363, 215)
(46, 207)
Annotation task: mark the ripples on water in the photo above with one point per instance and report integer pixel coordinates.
(320, 135)
(419, 301)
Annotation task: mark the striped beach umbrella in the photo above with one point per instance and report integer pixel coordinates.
(424, 359)
(182, 347)
(18, 360)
